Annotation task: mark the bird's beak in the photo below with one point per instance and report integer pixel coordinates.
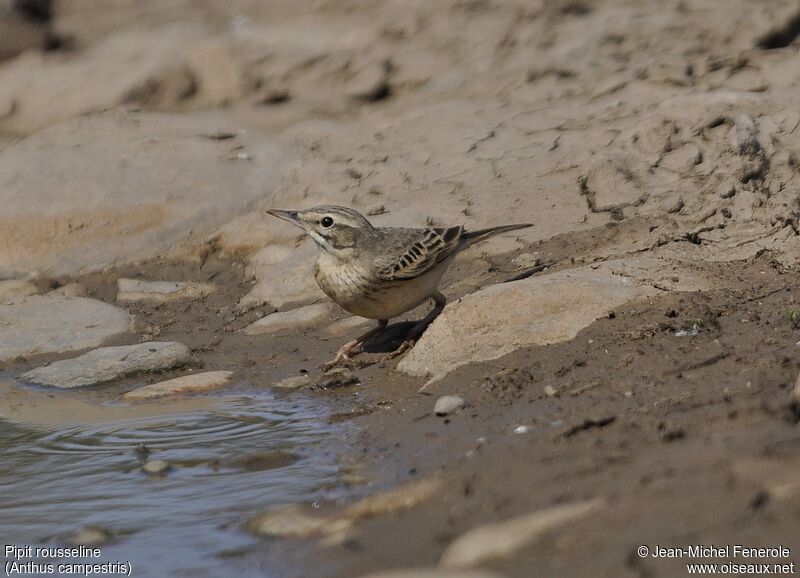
(289, 216)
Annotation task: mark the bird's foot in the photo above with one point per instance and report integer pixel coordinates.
(405, 346)
(344, 355)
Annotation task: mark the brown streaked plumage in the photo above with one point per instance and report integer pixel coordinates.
(381, 272)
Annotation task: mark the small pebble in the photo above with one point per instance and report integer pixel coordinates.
(156, 467)
(523, 429)
(447, 404)
(693, 332)
(549, 390)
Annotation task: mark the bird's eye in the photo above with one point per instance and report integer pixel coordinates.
(326, 222)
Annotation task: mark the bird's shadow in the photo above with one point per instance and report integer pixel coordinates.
(389, 339)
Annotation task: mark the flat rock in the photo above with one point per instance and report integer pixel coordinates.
(52, 324)
(295, 522)
(296, 319)
(503, 539)
(108, 363)
(284, 276)
(447, 404)
(194, 383)
(502, 318)
(154, 180)
(403, 497)
(161, 291)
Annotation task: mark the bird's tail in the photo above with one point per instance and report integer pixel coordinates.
(472, 237)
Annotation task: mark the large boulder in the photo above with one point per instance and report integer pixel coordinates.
(120, 185)
(502, 318)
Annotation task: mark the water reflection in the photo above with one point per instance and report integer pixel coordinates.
(57, 479)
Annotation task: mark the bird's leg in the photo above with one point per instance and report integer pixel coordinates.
(418, 329)
(353, 347)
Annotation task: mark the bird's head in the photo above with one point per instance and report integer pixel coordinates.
(335, 230)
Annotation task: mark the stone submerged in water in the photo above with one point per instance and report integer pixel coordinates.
(89, 536)
(156, 468)
(261, 461)
(294, 382)
(161, 291)
(109, 363)
(39, 324)
(331, 379)
(196, 382)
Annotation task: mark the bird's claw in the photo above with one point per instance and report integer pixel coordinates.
(405, 346)
(335, 362)
(343, 356)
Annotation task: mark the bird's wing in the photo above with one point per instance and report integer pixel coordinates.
(412, 252)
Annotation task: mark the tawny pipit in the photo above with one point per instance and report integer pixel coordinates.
(381, 272)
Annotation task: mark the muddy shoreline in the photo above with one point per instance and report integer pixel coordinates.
(687, 439)
(675, 410)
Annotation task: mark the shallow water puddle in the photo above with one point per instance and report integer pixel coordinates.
(230, 458)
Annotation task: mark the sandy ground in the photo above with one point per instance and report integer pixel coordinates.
(620, 129)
